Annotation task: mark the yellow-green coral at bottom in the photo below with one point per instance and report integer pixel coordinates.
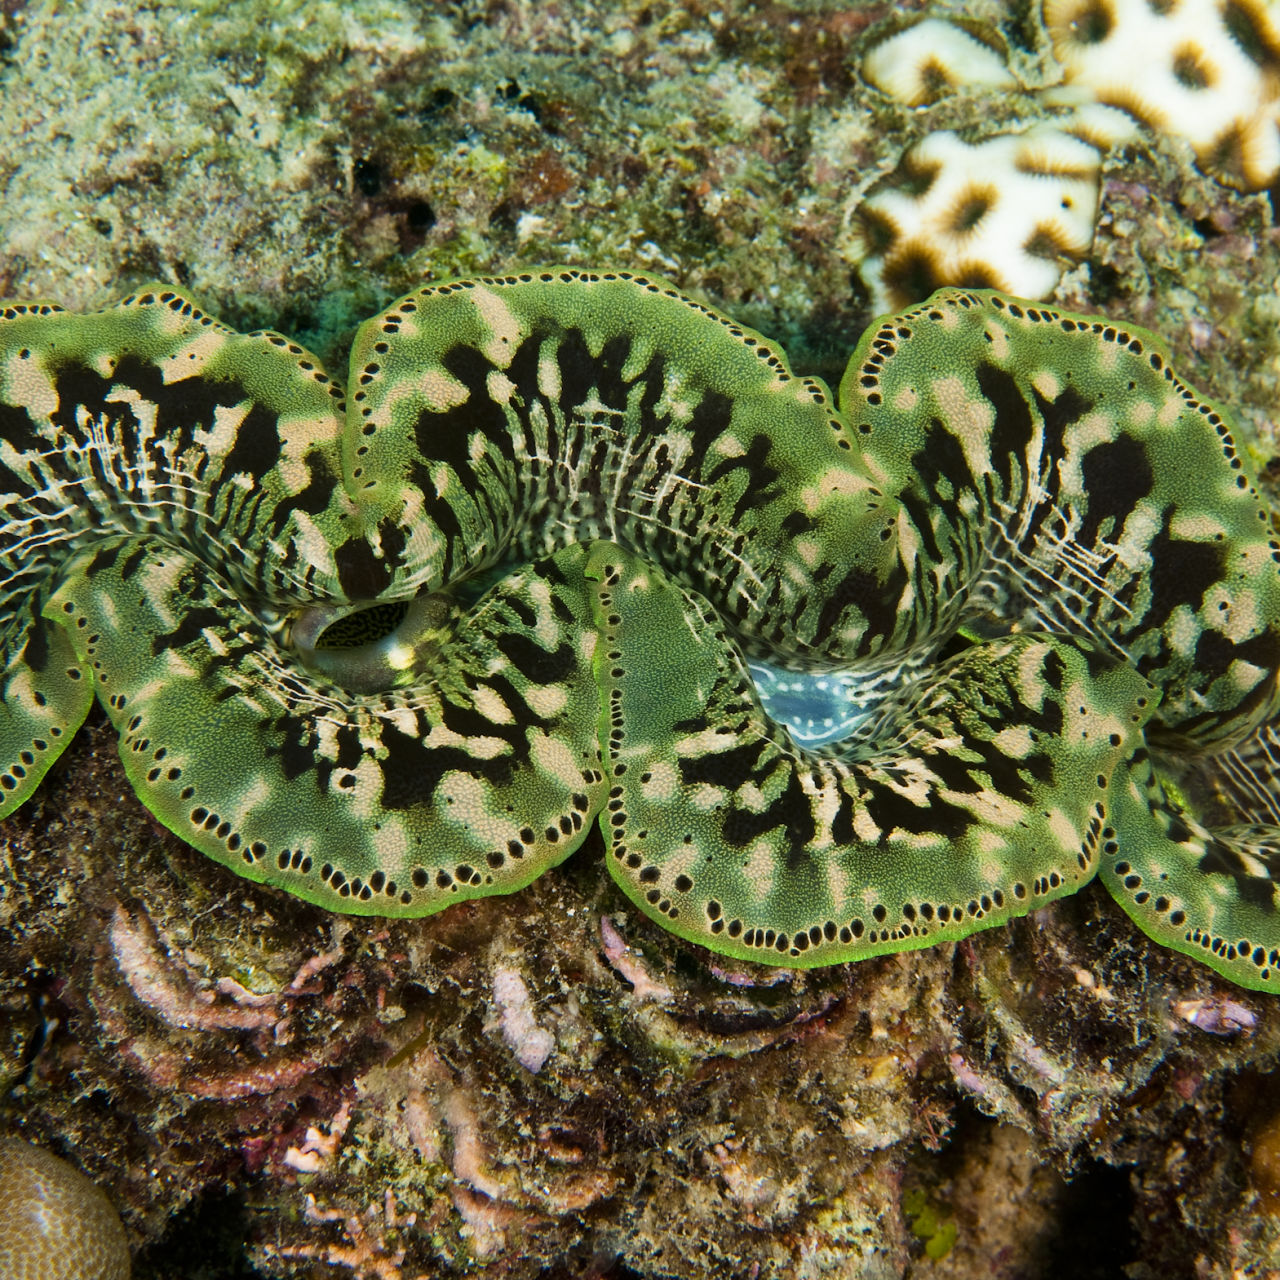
(929, 1223)
(54, 1223)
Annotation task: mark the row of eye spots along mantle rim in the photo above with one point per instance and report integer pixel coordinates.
(1046, 314)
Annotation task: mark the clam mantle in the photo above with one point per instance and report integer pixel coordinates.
(577, 549)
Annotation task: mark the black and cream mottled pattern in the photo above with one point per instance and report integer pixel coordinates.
(397, 649)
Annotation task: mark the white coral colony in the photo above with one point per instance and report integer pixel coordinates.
(999, 213)
(914, 65)
(1203, 70)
